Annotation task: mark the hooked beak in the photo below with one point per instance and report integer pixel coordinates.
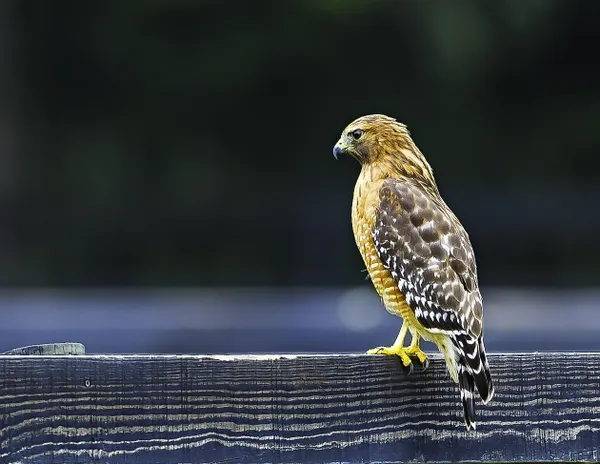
(339, 150)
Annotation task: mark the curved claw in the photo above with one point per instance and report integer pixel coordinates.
(423, 364)
(378, 350)
(408, 370)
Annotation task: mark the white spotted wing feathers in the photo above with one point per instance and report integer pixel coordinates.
(429, 254)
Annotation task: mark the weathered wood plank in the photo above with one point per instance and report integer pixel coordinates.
(66, 348)
(289, 409)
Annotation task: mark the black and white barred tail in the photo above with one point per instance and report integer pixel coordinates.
(473, 372)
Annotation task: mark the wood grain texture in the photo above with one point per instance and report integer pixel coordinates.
(66, 348)
(291, 409)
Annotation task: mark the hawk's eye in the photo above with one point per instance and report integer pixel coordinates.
(356, 134)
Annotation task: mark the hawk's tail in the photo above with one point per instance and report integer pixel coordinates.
(467, 392)
(473, 371)
(485, 386)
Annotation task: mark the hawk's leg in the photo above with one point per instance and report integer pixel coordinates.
(397, 349)
(414, 350)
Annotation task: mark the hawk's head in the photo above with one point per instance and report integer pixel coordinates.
(377, 139)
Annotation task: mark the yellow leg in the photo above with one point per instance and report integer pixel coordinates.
(397, 349)
(414, 349)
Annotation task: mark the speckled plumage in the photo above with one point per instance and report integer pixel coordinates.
(417, 253)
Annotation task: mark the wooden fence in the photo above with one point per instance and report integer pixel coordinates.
(291, 409)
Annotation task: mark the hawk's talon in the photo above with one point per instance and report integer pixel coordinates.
(415, 352)
(408, 369)
(423, 364)
(393, 351)
(376, 350)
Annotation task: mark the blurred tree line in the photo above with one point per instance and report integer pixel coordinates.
(189, 142)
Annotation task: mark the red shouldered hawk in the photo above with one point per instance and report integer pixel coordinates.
(417, 253)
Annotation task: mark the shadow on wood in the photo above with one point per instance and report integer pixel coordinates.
(309, 409)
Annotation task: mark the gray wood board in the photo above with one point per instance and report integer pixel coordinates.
(65, 348)
(292, 409)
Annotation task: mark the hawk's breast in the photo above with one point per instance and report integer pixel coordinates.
(364, 212)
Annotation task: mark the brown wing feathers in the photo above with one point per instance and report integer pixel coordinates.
(428, 253)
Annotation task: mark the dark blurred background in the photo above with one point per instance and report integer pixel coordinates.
(167, 183)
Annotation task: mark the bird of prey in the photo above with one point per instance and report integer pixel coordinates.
(418, 255)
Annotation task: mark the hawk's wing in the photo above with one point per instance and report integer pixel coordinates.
(429, 254)
(424, 246)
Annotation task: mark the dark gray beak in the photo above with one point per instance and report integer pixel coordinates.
(338, 150)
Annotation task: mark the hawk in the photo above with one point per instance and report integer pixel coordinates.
(418, 255)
